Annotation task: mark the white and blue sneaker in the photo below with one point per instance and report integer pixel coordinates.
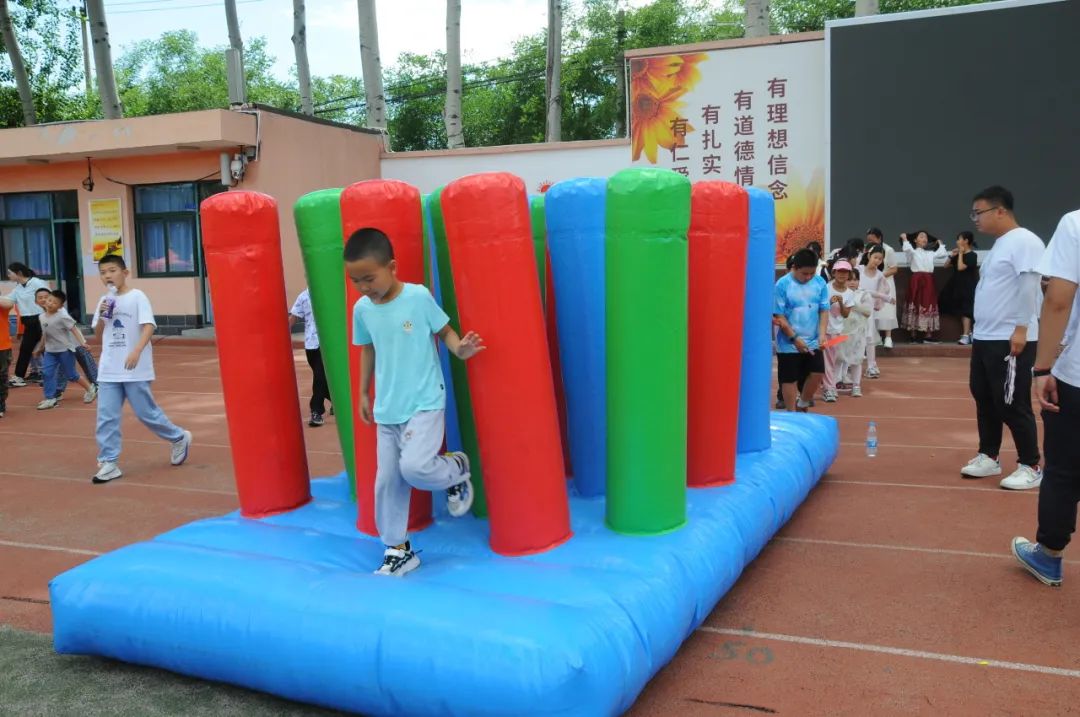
(179, 452)
(397, 562)
(1023, 478)
(1036, 561)
(459, 497)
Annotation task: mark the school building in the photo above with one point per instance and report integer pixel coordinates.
(72, 191)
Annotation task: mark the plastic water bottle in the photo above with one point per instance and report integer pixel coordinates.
(110, 303)
(871, 441)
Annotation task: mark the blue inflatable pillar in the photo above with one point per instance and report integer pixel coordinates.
(575, 227)
(453, 431)
(757, 325)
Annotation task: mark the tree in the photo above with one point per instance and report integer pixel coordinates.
(103, 66)
(371, 64)
(18, 68)
(866, 7)
(553, 87)
(303, 71)
(48, 38)
(455, 138)
(757, 18)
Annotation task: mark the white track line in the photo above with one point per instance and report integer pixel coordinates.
(50, 548)
(1005, 448)
(197, 443)
(898, 651)
(185, 489)
(999, 491)
(903, 548)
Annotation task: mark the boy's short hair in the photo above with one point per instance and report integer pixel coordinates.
(996, 195)
(45, 289)
(803, 259)
(369, 242)
(874, 231)
(59, 295)
(113, 259)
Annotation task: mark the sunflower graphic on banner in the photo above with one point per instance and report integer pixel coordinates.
(749, 115)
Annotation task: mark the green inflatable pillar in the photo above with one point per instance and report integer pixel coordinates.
(538, 220)
(646, 255)
(318, 224)
(466, 422)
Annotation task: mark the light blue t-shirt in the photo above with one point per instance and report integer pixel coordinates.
(801, 305)
(407, 375)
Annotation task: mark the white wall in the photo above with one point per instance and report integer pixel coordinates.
(537, 164)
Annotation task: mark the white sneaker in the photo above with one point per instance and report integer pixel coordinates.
(107, 471)
(888, 342)
(856, 392)
(459, 497)
(874, 372)
(16, 382)
(965, 340)
(397, 562)
(1023, 478)
(981, 466)
(48, 403)
(90, 395)
(829, 396)
(180, 449)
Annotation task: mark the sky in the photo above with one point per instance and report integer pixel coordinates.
(488, 27)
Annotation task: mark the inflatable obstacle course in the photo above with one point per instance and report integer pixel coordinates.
(610, 573)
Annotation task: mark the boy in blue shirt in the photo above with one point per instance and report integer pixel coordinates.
(801, 309)
(395, 321)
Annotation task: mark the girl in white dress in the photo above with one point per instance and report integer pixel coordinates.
(860, 332)
(873, 279)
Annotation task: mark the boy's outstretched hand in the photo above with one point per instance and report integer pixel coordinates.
(469, 345)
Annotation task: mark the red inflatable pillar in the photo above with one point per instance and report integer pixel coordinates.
(394, 208)
(494, 263)
(242, 248)
(719, 228)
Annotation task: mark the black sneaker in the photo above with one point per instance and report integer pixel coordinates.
(397, 562)
(316, 420)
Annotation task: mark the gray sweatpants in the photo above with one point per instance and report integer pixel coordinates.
(408, 457)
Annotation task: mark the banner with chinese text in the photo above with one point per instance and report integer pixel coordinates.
(754, 116)
(106, 228)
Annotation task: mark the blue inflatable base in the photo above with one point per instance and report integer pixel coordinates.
(288, 605)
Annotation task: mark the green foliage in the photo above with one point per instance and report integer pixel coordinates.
(503, 102)
(810, 15)
(174, 74)
(49, 40)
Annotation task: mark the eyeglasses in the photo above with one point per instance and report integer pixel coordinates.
(975, 213)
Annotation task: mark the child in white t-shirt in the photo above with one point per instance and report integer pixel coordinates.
(124, 320)
(840, 302)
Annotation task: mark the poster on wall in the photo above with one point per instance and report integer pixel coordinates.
(754, 116)
(106, 228)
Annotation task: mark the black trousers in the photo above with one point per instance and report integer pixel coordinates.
(1060, 488)
(320, 392)
(30, 338)
(987, 380)
(799, 387)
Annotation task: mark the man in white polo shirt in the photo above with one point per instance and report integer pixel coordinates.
(1057, 385)
(1007, 301)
